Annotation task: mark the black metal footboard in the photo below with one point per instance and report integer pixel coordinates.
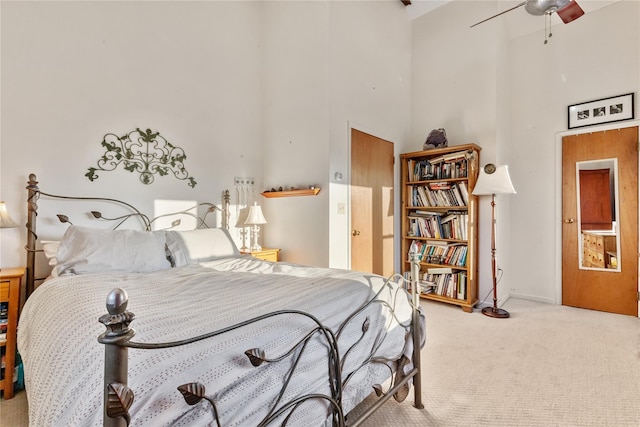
(118, 397)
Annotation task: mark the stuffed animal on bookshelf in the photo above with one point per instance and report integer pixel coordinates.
(437, 138)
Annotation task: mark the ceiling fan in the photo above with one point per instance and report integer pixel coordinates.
(567, 10)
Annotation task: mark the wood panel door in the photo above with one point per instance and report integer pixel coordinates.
(371, 204)
(610, 291)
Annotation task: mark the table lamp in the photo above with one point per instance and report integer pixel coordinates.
(241, 224)
(5, 220)
(254, 219)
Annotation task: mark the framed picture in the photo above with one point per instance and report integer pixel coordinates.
(600, 111)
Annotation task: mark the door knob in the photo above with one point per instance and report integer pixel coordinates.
(355, 233)
(569, 220)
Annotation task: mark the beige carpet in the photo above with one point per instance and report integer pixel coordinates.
(546, 366)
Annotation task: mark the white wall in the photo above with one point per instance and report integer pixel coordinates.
(296, 128)
(510, 96)
(328, 65)
(248, 89)
(370, 91)
(74, 71)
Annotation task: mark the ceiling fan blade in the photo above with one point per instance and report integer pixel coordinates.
(501, 13)
(570, 12)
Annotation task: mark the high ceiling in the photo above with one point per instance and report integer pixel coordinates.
(420, 7)
(518, 22)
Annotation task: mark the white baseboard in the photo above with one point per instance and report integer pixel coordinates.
(504, 299)
(489, 303)
(530, 298)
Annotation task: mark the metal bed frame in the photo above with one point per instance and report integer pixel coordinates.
(118, 336)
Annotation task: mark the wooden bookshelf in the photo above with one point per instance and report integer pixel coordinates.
(439, 218)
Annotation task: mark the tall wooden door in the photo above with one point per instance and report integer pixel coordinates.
(606, 289)
(371, 204)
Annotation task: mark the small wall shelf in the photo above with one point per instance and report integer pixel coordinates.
(291, 193)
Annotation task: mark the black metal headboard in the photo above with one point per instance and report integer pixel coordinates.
(34, 194)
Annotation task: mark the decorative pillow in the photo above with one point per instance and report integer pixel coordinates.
(194, 246)
(87, 250)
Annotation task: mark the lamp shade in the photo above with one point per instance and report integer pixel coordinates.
(242, 217)
(493, 180)
(255, 216)
(5, 220)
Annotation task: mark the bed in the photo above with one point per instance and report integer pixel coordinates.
(193, 333)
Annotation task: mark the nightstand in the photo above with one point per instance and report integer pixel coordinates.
(265, 254)
(10, 283)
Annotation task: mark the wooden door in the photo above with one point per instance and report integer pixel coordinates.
(371, 204)
(610, 291)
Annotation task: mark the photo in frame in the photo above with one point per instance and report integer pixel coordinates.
(600, 111)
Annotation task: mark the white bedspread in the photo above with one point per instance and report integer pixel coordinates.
(58, 330)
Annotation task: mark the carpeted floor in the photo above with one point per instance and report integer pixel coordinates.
(546, 365)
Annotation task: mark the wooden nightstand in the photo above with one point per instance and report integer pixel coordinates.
(265, 254)
(10, 282)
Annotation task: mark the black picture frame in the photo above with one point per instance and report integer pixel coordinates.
(605, 110)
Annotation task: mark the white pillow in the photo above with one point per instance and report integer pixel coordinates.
(87, 250)
(195, 246)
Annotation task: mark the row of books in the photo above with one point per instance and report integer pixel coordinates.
(438, 225)
(446, 283)
(4, 320)
(452, 285)
(440, 252)
(447, 166)
(440, 194)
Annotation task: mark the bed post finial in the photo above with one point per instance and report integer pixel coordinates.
(117, 301)
(226, 197)
(118, 319)
(117, 396)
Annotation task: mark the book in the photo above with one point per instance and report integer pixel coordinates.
(464, 191)
(455, 157)
(439, 270)
(462, 287)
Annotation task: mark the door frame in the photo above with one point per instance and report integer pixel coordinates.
(396, 183)
(558, 195)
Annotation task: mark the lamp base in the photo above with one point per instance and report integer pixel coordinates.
(495, 312)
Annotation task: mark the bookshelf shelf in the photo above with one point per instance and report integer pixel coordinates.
(439, 217)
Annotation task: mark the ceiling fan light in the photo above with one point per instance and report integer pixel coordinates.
(540, 7)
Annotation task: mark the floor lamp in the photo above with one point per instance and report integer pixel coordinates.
(491, 181)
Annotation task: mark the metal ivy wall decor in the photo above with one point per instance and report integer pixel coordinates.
(145, 152)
